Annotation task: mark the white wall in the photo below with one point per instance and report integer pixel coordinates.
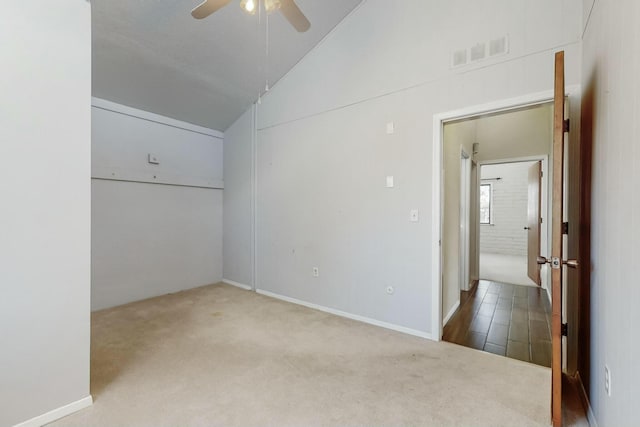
(238, 201)
(611, 109)
(517, 134)
(44, 182)
(506, 235)
(156, 229)
(323, 153)
(460, 136)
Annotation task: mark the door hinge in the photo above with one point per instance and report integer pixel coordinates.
(564, 329)
(565, 228)
(566, 126)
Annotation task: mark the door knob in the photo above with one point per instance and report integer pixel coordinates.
(572, 263)
(554, 262)
(527, 228)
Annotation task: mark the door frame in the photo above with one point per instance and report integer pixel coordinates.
(545, 229)
(465, 220)
(439, 120)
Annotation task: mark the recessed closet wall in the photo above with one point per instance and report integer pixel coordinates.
(156, 205)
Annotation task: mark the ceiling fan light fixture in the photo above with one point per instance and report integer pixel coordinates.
(288, 8)
(272, 5)
(249, 6)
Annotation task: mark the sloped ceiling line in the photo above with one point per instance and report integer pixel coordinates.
(152, 55)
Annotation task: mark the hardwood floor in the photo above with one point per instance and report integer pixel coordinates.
(508, 320)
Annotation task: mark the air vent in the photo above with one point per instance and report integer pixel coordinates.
(498, 46)
(459, 58)
(478, 52)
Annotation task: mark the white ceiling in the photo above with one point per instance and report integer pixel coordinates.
(514, 134)
(152, 55)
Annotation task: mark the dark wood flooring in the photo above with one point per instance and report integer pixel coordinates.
(508, 320)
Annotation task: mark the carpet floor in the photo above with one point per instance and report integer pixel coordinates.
(505, 269)
(222, 356)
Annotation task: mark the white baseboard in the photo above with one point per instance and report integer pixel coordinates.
(591, 417)
(340, 313)
(237, 284)
(58, 413)
(450, 313)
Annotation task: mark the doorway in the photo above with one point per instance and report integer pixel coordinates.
(489, 299)
(571, 168)
(513, 217)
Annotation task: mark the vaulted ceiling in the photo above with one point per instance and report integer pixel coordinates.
(152, 55)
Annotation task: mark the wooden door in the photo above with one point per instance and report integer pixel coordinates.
(557, 219)
(534, 202)
(574, 207)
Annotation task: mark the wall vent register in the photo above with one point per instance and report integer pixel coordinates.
(480, 51)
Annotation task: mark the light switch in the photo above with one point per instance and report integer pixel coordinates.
(153, 159)
(390, 128)
(390, 182)
(414, 215)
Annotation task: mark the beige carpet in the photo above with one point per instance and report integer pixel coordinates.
(221, 356)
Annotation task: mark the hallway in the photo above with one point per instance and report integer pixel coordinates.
(503, 268)
(504, 319)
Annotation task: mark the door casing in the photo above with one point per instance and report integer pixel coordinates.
(465, 220)
(545, 229)
(439, 121)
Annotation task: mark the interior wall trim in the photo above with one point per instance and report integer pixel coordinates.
(451, 312)
(57, 413)
(591, 417)
(152, 117)
(347, 315)
(254, 197)
(104, 176)
(237, 284)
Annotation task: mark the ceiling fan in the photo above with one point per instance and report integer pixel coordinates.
(288, 8)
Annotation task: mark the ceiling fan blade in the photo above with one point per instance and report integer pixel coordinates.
(294, 15)
(207, 7)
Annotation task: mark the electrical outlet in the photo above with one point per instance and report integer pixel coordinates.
(414, 215)
(315, 272)
(607, 380)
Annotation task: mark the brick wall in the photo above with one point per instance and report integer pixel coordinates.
(507, 234)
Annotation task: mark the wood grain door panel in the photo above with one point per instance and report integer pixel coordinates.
(534, 203)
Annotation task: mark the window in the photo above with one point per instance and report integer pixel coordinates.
(486, 195)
